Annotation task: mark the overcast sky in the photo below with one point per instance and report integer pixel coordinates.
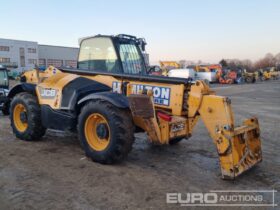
(206, 30)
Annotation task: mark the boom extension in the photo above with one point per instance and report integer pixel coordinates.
(239, 148)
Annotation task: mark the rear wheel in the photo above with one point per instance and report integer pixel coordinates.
(249, 79)
(5, 110)
(106, 132)
(25, 115)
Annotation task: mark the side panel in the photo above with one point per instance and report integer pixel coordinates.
(166, 96)
(62, 91)
(49, 92)
(55, 88)
(52, 90)
(79, 88)
(52, 119)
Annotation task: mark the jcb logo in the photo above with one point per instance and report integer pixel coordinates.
(47, 93)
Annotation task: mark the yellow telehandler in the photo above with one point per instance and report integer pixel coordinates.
(273, 73)
(109, 97)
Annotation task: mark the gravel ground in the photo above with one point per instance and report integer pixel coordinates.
(55, 174)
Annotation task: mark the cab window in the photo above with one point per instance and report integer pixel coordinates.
(131, 59)
(98, 54)
(3, 79)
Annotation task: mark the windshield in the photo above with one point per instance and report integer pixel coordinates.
(99, 54)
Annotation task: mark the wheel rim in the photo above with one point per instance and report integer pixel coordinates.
(20, 117)
(97, 132)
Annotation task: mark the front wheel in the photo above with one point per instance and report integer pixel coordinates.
(25, 116)
(106, 132)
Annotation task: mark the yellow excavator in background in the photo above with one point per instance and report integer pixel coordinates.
(273, 73)
(202, 68)
(168, 65)
(109, 97)
(264, 74)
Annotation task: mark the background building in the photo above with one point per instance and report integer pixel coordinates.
(58, 56)
(17, 54)
(24, 55)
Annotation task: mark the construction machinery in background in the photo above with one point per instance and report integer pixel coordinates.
(169, 65)
(267, 74)
(274, 75)
(249, 77)
(155, 70)
(4, 90)
(205, 72)
(110, 96)
(166, 66)
(264, 74)
(201, 68)
(227, 77)
(271, 73)
(212, 73)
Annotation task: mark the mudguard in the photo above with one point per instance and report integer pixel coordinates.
(23, 87)
(79, 88)
(118, 100)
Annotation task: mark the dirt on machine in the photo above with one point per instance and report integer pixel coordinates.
(110, 96)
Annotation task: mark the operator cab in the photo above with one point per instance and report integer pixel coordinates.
(113, 54)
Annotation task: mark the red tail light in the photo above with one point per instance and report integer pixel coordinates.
(164, 116)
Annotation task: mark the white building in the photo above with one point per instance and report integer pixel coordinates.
(18, 54)
(58, 56)
(24, 55)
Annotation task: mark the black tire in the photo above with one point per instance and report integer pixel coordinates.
(35, 129)
(121, 130)
(249, 79)
(176, 140)
(6, 110)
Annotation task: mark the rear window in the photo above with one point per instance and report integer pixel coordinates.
(131, 59)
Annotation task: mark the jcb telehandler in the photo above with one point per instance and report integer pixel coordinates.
(109, 97)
